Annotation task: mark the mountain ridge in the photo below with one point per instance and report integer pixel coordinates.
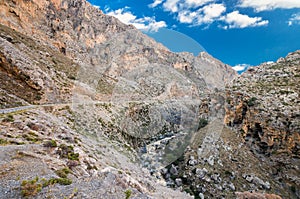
(108, 112)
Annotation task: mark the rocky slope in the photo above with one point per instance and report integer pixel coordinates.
(99, 44)
(263, 106)
(93, 108)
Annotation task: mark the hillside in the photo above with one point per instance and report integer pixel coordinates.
(263, 106)
(93, 108)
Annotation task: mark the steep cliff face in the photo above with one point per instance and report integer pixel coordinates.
(87, 101)
(80, 92)
(100, 45)
(263, 105)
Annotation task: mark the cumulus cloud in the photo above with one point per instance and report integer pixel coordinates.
(204, 15)
(155, 3)
(237, 20)
(206, 12)
(187, 16)
(172, 5)
(145, 23)
(262, 5)
(241, 67)
(176, 6)
(213, 11)
(195, 3)
(295, 19)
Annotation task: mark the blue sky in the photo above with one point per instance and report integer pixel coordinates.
(238, 32)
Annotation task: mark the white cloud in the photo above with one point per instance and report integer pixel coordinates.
(194, 12)
(213, 11)
(171, 5)
(123, 16)
(195, 3)
(204, 15)
(176, 6)
(240, 67)
(206, 12)
(295, 19)
(187, 16)
(155, 3)
(145, 23)
(262, 5)
(237, 20)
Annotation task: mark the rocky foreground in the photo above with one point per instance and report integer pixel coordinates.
(92, 108)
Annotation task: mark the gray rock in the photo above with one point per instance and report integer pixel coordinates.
(173, 170)
(201, 195)
(164, 171)
(249, 178)
(216, 178)
(218, 186)
(200, 173)
(231, 186)
(207, 179)
(211, 160)
(259, 182)
(178, 182)
(192, 161)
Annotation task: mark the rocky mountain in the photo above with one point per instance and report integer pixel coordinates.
(93, 108)
(263, 105)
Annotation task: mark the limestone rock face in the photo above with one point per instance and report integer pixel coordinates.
(96, 105)
(77, 87)
(264, 104)
(101, 45)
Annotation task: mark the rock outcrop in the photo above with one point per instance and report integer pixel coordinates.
(263, 106)
(67, 72)
(100, 44)
(264, 103)
(91, 107)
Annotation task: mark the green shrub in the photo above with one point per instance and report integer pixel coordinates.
(63, 173)
(127, 194)
(61, 181)
(8, 118)
(30, 188)
(50, 143)
(3, 141)
(251, 101)
(202, 123)
(30, 138)
(73, 156)
(68, 152)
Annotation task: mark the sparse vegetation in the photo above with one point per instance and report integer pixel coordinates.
(50, 143)
(251, 101)
(67, 152)
(31, 138)
(63, 173)
(61, 181)
(35, 69)
(73, 156)
(127, 194)
(3, 141)
(8, 118)
(202, 123)
(31, 187)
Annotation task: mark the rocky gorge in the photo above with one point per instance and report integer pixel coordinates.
(93, 108)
